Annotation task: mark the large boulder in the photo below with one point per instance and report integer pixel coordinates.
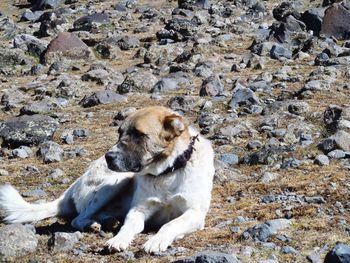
(16, 241)
(336, 22)
(69, 46)
(28, 130)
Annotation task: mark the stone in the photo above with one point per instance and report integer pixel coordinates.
(211, 87)
(35, 193)
(4, 172)
(56, 173)
(28, 130)
(50, 152)
(10, 59)
(284, 10)
(336, 22)
(128, 42)
(90, 22)
(243, 97)
(339, 254)
(288, 250)
(38, 107)
(268, 177)
(181, 103)
(102, 97)
(298, 107)
(209, 257)
(69, 46)
(229, 158)
(63, 241)
(279, 52)
(31, 44)
(15, 241)
(342, 140)
(29, 15)
(22, 152)
(260, 232)
(322, 160)
(337, 154)
(139, 81)
(172, 82)
(314, 258)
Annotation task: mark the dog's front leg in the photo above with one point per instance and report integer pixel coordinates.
(133, 224)
(188, 222)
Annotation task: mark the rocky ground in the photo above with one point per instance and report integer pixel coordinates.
(267, 82)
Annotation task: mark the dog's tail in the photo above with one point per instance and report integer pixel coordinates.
(17, 210)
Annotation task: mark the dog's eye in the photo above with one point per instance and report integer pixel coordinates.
(136, 133)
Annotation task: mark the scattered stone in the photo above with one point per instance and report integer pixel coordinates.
(15, 241)
(28, 130)
(102, 97)
(209, 256)
(31, 44)
(56, 173)
(280, 52)
(288, 250)
(50, 152)
(322, 160)
(211, 87)
(35, 193)
(22, 152)
(229, 158)
(67, 45)
(3, 172)
(65, 241)
(336, 22)
(243, 97)
(90, 22)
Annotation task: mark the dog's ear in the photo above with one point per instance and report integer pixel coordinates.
(174, 124)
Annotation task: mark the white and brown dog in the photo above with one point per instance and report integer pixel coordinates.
(159, 173)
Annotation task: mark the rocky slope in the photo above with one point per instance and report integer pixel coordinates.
(267, 82)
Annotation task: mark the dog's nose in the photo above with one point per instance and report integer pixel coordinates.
(110, 156)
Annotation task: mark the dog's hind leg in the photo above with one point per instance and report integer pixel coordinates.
(100, 198)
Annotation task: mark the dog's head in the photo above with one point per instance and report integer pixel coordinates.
(146, 136)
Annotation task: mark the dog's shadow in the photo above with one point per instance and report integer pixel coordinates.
(53, 228)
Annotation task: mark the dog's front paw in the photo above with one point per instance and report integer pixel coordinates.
(117, 244)
(157, 243)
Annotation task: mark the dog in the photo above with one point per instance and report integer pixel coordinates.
(159, 173)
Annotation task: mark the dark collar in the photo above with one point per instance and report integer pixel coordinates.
(182, 159)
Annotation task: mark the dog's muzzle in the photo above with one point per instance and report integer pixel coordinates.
(119, 163)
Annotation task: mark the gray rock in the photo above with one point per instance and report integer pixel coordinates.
(260, 232)
(100, 76)
(279, 52)
(128, 42)
(142, 81)
(4, 172)
(56, 173)
(342, 140)
(16, 241)
(102, 97)
(243, 97)
(172, 82)
(314, 258)
(35, 193)
(278, 224)
(65, 241)
(298, 107)
(38, 107)
(268, 177)
(29, 15)
(31, 44)
(211, 87)
(90, 22)
(339, 254)
(50, 152)
(289, 250)
(337, 154)
(229, 158)
(322, 160)
(22, 152)
(313, 19)
(28, 130)
(209, 257)
(11, 59)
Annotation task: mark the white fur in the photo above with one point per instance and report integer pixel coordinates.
(181, 199)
